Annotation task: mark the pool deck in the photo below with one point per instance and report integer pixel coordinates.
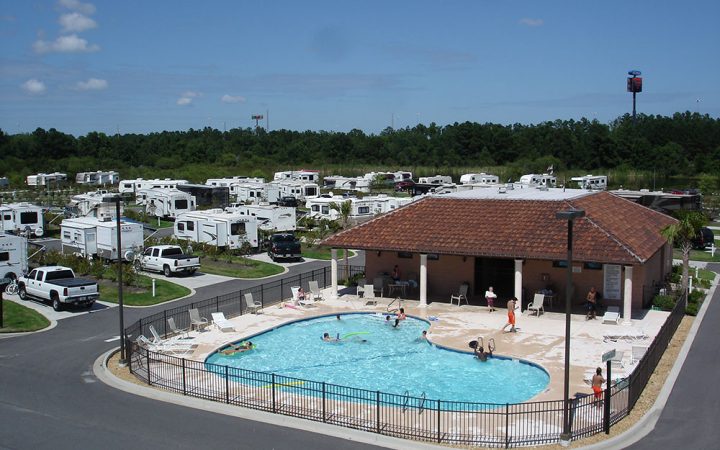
(538, 339)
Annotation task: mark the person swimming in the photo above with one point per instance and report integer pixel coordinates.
(239, 348)
(327, 338)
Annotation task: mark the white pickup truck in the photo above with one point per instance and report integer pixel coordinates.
(168, 259)
(58, 285)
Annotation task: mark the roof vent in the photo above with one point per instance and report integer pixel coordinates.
(502, 190)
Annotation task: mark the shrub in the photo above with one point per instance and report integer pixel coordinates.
(692, 309)
(664, 302)
(97, 268)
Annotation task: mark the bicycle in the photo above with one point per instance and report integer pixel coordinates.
(12, 287)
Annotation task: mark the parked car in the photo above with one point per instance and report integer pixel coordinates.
(288, 201)
(704, 238)
(284, 245)
(58, 285)
(168, 259)
(404, 185)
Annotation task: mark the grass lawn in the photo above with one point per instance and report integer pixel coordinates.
(141, 294)
(317, 252)
(239, 267)
(699, 255)
(17, 318)
(705, 274)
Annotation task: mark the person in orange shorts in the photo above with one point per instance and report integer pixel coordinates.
(597, 382)
(511, 315)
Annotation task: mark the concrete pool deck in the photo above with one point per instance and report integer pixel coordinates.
(539, 339)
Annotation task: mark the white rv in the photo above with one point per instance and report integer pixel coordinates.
(250, 192)
(90, 236)
(98, 178)
(234, 182)
(308, 176)
(437, 179)
(360, 207)
(298, 189)
(217, 227)
(21, 218)
(269, 217)
(132, 186)
(479, 178)
(360, 184)
(91, 204)
(591, 182)
(13, 256)
(165, 202)
(544, 180)
(46, 179)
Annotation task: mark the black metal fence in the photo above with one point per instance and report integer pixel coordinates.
(417, 418)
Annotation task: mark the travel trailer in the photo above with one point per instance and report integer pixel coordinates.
(90, 236)
(544, 180)
(20, 218)
(233, 182)
(301, 190)
(437, 179)
(479, 178)
(91, 204)
(98, 178)
(207, 197)
(13, 256)
(360, 184)
(269, 217)
(249, 192)
(368, 206)
(165, 202)
(308, 176)
(132, 186)
(217, 227)
(591, 182)
(46, 179)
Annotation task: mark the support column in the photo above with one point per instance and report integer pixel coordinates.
(627, 296)
(518, 290)
(423, 280)
(334, 273)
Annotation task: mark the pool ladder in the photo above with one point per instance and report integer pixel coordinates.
(406, 401)
(397, 299)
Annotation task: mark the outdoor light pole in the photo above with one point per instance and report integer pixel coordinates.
(570, 216)
(117, 199)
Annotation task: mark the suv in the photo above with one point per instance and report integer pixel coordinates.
(704, 238)
(288, 201)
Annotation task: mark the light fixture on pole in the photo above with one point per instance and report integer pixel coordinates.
(117, 199)
(570, 216)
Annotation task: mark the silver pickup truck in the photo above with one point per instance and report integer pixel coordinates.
(168, 259)
(58, 285)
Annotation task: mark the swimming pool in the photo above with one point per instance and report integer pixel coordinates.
(376, 356)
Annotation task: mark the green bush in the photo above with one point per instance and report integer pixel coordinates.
(692, 309)
(664, 302)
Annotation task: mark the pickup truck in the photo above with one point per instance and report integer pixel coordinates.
(284, 245)
(58, 285)
(168, 259)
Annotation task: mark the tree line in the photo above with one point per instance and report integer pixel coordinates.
(684, 144)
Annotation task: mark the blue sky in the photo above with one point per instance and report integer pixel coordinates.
(147, 66)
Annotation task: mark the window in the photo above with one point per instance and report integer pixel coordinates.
(406, 255)
(181, 204)
(315, 208)
(326, 210)
(237, 229)
(190, 226)
(7, 217)
(28, 217)
(433, 256)
(4, 256)
(560, 264)
(181, 226)
(66, 235)
(311, 191)
(156, 252)
(364, 210)
(32, 275)
(592, 266)
(148, 252)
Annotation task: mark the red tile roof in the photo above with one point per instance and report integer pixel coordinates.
(614, 230)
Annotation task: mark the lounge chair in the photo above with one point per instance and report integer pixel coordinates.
(157, 339)
(221, 322)
(174, 328)
(360, 292)
(628, 334)
(460, 296)
(315, 291)
(612, 315)
(537, 304)
(167, 347)
(197, 321)
(300, 301)
(638, 351)
(369, 295)
(252, 305)
(378, 285)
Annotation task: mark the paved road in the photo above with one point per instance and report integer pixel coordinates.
(50, 398)
(690, 417)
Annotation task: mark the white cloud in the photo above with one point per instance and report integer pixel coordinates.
(531, 22)
(92, 84)
(76, 22)
(232, 99)
(33, 86)
(65, 44)
(187, 98)
(76, 5)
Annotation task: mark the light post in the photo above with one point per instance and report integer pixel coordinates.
(634, 85)
(117, 198)
(570, 216)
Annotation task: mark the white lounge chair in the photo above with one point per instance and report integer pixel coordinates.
(300, 301)
(360, 292)
(167, 347)
(460, 296)
(638, 351)
(369, 295)
(628, 334)
(197, 321)
(174, 328)
(221, 322)
(250, 304)
(537, 304)
(612, 315)
(157, 339)
(315, 291)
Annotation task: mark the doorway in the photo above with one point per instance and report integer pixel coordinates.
(498, 273)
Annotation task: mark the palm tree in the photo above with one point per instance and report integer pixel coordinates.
(344, 209)
(682, 234)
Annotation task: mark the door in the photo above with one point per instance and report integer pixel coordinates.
(498, 273)
(91, 242)
(33, 285)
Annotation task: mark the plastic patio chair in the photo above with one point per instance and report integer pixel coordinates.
(252, 305)
(537, 304)
(460, 296)
(197, 321)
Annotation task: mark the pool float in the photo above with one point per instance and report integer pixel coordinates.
(355, 334)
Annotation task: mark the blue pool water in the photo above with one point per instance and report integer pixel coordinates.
(391, 360)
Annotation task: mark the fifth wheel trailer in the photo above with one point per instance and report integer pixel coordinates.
(20, 218)
(217, 227)
(90, 236)
(13, 256)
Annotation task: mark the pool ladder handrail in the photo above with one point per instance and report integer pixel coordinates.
(491, 345)
(421, 407)
(397, 299)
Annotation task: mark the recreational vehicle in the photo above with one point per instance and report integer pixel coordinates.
(98, 178)
(132, 186)
(301, 190)
(90, 236)
(46, 179)
(360, 184)
(21, 218)
(249, 192)
(233, 182)
(13, 256)
(479, 178)
(91, 204)
(217, 227)
(544, 180)
(437, 179)
(207, 197)
(591, 182)
(269, 217)
(308, 176)
(165, 202)
(322, 207)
